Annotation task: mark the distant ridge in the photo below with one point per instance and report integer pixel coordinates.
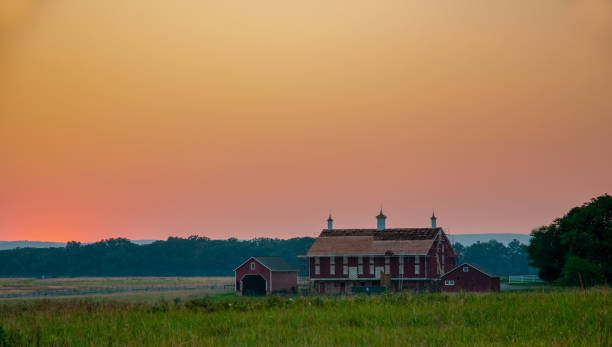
(470, 239)
(4, 245)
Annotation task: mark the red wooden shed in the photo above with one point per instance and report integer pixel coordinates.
(468, 278)
(265, 275)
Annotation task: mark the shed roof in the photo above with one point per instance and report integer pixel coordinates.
(373, 242)
(275, 263)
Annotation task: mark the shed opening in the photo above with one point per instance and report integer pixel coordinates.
(253, 285)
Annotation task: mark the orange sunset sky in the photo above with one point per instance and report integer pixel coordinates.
(145, 119)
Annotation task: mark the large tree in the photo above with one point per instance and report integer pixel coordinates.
(584, 233)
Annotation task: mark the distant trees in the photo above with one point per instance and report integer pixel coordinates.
(496, 258)
(191, 256)
(577, 248)
(201, 256)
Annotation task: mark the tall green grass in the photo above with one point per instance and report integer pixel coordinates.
(568, 317)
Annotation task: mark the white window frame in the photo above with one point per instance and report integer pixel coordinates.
(449, 282)
(360, 265)
(332, 265)
(401, 265)
(387, 265)
(466, 269)
(417, 265)
(345, 265)
(371, 269)
(317, 266)
(253, 266)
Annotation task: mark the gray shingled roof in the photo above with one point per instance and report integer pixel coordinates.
(275, 263)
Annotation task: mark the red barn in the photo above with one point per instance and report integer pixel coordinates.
(401, 259)
(468, 278)
(265, 275)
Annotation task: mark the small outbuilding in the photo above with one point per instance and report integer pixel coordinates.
(468, 278)
(265, 275)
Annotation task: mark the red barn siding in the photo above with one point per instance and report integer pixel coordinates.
(471, 281)
(245, 269)
(284, 281)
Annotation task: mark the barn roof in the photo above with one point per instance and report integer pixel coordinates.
(373, 242)
(275, 263)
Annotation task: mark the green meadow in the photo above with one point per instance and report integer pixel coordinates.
(534, 318)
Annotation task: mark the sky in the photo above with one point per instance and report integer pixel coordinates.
(148, 119)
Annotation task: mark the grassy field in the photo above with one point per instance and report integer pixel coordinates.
(562, 317)
(80, 286)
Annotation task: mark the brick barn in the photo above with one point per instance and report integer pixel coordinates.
(265, 275)
(468, 278)
(401, 259)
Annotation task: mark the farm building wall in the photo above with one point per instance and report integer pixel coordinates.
(245, 269)
(471, 281)
(367, 261)
(284, 281)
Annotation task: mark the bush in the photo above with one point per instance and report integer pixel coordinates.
(3, 337)
(577, 268)
(549, 274)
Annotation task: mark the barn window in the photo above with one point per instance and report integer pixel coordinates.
(417, 266)
(466, 269)
(345, 265)
(317, 265)
(332, 265)
(360, 265)
(252, 266)
(449, 282)
(401, 265)
(387, 265)
(371, 269)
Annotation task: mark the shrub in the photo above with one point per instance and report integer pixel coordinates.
(549, 274)
(577, 268)
(3, 337)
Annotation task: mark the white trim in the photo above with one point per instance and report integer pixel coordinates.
(245, 263)
(264, 265)
(260, 263)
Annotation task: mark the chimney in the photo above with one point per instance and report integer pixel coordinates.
(433, 220)
(330, 222)
(380, 221)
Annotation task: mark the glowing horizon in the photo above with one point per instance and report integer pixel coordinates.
(232, 119)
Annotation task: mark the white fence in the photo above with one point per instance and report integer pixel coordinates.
(524, 279)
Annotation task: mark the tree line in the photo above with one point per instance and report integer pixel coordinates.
(201, 256)
(576, 249)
